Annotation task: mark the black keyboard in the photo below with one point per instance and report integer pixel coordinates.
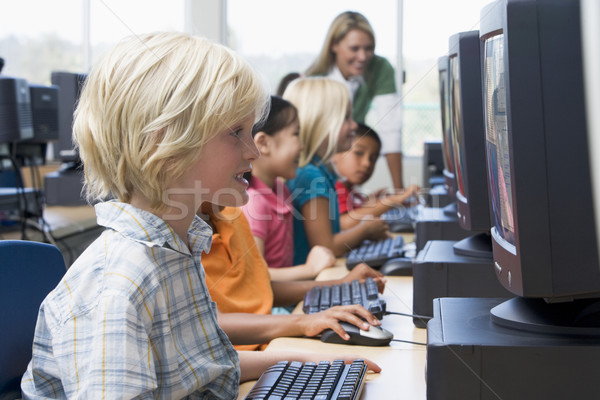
(375, 254)
(401, 219)
(365, 293)
(297, 380)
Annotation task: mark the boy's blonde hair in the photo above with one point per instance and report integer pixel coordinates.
(150, 105)
(322, 105)
(339, 28)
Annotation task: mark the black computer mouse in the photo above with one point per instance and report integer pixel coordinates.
(400, 266)
(375, 336)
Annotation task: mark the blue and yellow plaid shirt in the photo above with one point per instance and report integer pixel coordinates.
(132, 318)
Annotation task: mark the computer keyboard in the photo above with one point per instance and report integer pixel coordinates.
(309, 380)
(401, 219)
(375, 254)
(365, 293)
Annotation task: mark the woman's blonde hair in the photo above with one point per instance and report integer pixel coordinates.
(339, 28)
(322, 105)
(150, 105)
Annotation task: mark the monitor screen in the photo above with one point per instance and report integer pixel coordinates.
(543, 233)
(498, 155)
(468, 132)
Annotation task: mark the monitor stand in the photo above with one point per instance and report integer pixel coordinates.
(434, 224)
(451, 209)
(479, 246)
(439, 271)
(471, 357)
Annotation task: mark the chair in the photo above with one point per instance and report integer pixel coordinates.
(28, 272)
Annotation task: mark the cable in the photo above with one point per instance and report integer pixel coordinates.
(409, 342)
(425, 317)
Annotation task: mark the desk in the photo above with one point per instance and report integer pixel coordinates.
(71, 229)
(403, 365)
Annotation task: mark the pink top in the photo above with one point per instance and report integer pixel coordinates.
(269, 214)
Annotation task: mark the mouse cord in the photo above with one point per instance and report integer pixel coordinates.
(409, 341)
(424, 317)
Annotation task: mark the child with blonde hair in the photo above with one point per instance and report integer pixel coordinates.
(163, 125)
(326, 128)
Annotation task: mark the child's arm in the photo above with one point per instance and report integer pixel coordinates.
(317, 260)
(286, 293)
(254, 363)
(318, 228)
(248, 328)
(377, 206)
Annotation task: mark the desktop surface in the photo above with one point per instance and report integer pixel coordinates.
(403, 364)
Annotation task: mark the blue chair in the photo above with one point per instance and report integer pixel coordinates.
(28, 272)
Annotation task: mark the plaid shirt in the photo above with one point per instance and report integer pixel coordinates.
(133, 318)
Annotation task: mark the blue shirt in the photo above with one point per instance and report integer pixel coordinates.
(312, 181)
(133, 317)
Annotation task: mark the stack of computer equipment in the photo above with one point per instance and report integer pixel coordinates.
(464, 268)
(543, 343)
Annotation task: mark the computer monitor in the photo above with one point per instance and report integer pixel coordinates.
(543, 232)
(15, 110)
(468, 143)
(70, 85)
(44, 114)
(447, 151)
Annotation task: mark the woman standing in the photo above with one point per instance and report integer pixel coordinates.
(348, 55)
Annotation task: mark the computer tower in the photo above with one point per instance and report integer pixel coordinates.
(437, 197)
(435, 224)
(433, 163)
(439, 272)
(15, 110)
(44, 112)
(64, 188)
(470, 357)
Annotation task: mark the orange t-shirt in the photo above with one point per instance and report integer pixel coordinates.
(237, 275)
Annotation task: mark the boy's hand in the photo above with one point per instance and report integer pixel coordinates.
(374, 228)
(363, 271)
(319, 258)
(314, 324)
(400, 197)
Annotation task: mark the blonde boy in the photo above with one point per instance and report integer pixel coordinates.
(163, 125)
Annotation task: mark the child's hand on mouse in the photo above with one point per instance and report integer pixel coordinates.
(314, 324)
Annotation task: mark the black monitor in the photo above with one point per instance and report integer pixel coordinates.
(15, 110)
(70, 85)
(447, 152)
(543, 232)
(468, 143)
(44, 114)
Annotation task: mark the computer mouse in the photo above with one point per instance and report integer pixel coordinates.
(375, 336)
(401, 266)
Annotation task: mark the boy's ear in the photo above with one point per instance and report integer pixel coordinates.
(261, 140)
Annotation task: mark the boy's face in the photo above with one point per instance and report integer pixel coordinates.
(217, 175)
(358, 163)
